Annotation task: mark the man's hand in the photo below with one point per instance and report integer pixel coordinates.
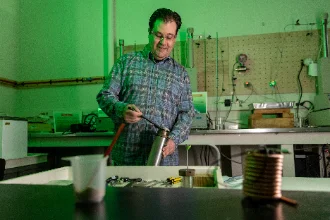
(132, 114)
(169, 148)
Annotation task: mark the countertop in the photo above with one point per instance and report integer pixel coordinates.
(31, 158)
(12, 118)
(57, 202)
(196, 132)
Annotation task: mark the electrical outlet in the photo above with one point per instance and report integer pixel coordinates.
(227, 102)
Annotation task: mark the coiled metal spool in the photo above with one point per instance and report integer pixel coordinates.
(263, 175)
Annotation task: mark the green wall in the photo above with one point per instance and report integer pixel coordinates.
(9, 48)
(61, 39)
(228, 18)
(57, 39)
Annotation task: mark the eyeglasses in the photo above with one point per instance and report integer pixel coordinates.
(159, 36)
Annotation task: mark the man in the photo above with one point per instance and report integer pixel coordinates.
(152, 84)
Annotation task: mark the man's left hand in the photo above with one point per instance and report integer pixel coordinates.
(169, 148)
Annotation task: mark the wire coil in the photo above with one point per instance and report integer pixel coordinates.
(263, 175)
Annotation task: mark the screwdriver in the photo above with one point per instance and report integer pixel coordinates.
(174, 180)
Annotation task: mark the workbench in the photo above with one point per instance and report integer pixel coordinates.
(47, 201)
(285, 137)
(44, 196)
(32, 163)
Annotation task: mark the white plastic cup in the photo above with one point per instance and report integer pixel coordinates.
(219, 123)
(301, 122)
(88, 173)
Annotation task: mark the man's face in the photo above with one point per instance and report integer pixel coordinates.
(162, 39)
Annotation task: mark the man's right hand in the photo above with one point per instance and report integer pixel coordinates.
(132, 114)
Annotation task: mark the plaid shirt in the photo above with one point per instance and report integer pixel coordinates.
(161, 90)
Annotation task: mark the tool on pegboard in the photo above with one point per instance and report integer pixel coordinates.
(241, 59)
(272, 83)
(247, 84)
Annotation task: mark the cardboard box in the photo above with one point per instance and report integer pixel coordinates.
(271, 118)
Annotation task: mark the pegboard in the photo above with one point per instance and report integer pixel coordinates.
(275, 57)
(271, 57)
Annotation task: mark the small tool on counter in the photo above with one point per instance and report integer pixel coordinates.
(146, 184)
(127, 179)
(174, 180)
(131, 182)
(113, 180)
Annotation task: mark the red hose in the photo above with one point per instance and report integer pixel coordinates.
(114, 140)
